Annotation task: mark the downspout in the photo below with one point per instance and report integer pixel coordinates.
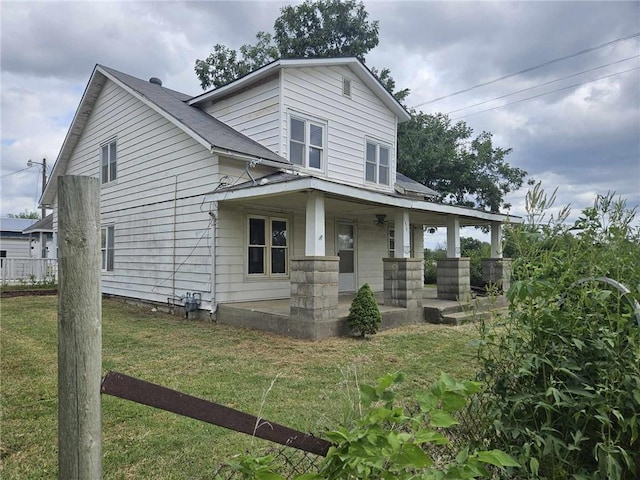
(173, 270)
(213, 212)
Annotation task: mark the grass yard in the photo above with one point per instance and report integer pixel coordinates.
(307, 386)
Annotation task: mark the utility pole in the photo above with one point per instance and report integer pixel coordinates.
(43, 240)
(44, 183)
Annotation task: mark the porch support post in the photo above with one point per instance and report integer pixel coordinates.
(315, 232)
(496, 271)
(453, 273)
(496, 240)
(453, 236)
(403, 283)
(402, 234)
(313, 312)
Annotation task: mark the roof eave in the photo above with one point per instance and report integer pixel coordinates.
(363, 73)
(314, 183)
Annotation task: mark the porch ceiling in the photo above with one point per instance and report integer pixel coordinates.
(346, 200)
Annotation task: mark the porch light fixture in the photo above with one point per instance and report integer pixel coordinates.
(381, 219)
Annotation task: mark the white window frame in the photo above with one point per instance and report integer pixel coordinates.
(107, 246)
(377, 166)
(111, 149)
(308, 123)
(268, 247)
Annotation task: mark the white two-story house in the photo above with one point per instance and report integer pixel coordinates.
(279, 185)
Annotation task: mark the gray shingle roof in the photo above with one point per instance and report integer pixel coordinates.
(215, 132)
(412, 187)
(43, 225)
(8, 224)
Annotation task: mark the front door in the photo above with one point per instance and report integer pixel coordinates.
(347, 253)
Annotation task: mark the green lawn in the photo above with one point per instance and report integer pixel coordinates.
(314, 384)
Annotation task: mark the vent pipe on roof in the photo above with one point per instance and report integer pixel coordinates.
(155, 80)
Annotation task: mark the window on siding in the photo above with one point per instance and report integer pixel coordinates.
(268, 247)
(307, 143)
(392, 242)
(377, 163)
(108, 162)
(107, 248)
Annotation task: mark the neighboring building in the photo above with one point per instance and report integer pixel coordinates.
(13, 242)
(281, 184)
(41, 234)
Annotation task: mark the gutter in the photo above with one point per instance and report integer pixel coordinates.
(255, 160)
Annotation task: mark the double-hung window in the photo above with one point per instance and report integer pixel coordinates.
(108, 161)
(268, 248)
(307, 143)
(377, 163)
(107, 247)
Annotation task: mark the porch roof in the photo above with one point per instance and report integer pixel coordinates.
(283, 184)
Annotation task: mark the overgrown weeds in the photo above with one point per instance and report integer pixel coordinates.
(563, 370)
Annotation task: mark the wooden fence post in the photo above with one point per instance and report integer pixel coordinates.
(79, 329)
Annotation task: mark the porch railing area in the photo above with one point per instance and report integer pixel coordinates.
(28, 270)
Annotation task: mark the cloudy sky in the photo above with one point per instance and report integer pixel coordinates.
(573, 123)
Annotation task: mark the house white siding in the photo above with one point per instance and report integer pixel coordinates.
(254, 112)
(317, 92)
(162, 176)
(16, 247)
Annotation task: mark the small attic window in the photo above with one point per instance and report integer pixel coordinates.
(346, 87)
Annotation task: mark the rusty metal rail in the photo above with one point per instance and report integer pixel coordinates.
(146, 393)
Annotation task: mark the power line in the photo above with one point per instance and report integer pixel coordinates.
(541, 85)
(13, 173)
(526, 70)
(546, 93)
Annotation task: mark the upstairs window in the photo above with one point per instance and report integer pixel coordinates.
(108, 161)
(268, 249)
(377, 163)
(107, 248)
(307, 143)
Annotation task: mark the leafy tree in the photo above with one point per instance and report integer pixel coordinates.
(464, 170)
(364, 314)
(476, 250)
(323, 28)
(25, 214)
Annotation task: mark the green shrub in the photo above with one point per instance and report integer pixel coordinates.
(389, 443)
(563, 370)
(364, 314)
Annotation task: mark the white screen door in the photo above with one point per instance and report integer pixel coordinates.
(347, 254)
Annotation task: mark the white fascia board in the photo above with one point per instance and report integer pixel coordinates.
(312, 183)
(71, 138)
(251, 158)
(159, 110)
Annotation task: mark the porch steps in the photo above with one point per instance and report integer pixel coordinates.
(459, 313)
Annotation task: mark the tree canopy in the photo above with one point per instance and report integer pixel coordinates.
(446, 157)
(324, 28)
(25, 214)
(465, 170)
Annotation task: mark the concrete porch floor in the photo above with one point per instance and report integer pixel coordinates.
(281, 307)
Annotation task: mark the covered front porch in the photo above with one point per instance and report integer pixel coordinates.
(327, 260)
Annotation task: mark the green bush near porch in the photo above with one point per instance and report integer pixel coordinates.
(364, 314)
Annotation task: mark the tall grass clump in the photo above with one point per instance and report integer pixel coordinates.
(562, 372)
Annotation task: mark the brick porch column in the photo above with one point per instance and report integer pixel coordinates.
(403, 282)
(314, 297)
(453, 278)
(497, 272)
